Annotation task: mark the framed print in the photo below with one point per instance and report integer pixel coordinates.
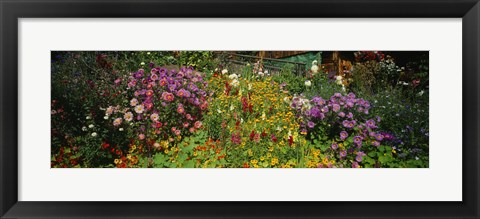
(239, 109)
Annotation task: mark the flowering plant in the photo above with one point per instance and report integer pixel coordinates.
(161, 105)
(342, 127)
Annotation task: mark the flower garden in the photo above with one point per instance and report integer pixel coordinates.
(187, 109)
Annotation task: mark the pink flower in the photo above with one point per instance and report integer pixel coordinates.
(109, 110)
(128, 116)
(154, 117)
(192, 130)
(180, 109)
(185, 124)
(133, 102)
(149, 93)
(117, 121)
(168, 96)
(154, 77)
(163, 82)
(141, 136)
(177, 132)
(197, 124)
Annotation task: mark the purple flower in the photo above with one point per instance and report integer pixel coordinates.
(343, 135)
(351, 124)
(357, 139)
(378, 118)
(318, 100)
(350, 115)
(379, 137)
(351, 95)
(349, 103)
(343, 153)
(334, 146)
(310, 124)
(371, 124)
(315, 112)
(341, 114)
(355, 165)
(376, 143)
(324, 109)
(359, 158)
(335, 107)
(345, 123)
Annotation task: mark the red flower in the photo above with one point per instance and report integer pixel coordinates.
(264, 134)
(105, 145)
(245, 165)
(290, 140)
(252, 135)
(274, 138)
(416, 82)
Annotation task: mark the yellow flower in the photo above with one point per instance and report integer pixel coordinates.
(254, 162)
(195, 154)
(274, 161)
(262, 158)
(117, 161)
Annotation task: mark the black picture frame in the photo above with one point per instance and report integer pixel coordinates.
(12, 10)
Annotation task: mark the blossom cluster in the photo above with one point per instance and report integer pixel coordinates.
(161, 104)
(347, 119)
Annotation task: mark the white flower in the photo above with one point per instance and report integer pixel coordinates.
(343, 88)
(88, 117)
(84, 128)
(224, 71)
(249, 86)
(148, 53)
(128, 116)
(142, 63)
(420, 93)
(139, 109)
(94, 134)
(216, 69)
(133, 102)
(405, 83)
(120, 129)
(154, 117)
(232, 107)
(264, 116)
(260, 74)
(233, 76)
(314, 68)
(339, 78)
(105, 117)
(219, 111)
(286, 100)
(241, 120)
(308, 83)
(315, 62)
(91, 126)
(235, 83)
